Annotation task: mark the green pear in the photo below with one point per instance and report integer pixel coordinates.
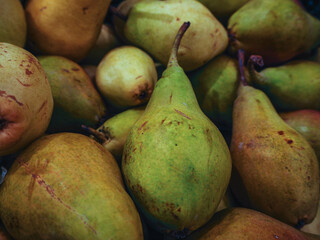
(152, 25)
(76, 99)
(176, 164)
(247, 224)
(307, 123)
(65, 28)
(67, 186)
(276, 30)
(277, 169)
(293, 86)
(215, 86)
(223, 9)
(26, 101)
(13, 24)
(126, 76)
(112, 134)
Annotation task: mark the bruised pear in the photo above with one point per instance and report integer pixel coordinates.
(276, 30)
(67, 186)
(65, 28)
(176, 163)
(275, 168)
(76, 99)
(152, 26)
(26, 101)
(13, 24)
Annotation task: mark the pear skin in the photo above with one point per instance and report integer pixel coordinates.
(277, 166)
(26, 101)
(307, 123)
(176, 164)
(276, 30)
(126, 77)
(65, 28)
(13, 24)
(152, 26)
(292, 86)
(77, 101)
(67, 186)
(314, 226)
(247, 224)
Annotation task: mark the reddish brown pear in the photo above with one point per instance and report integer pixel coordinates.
(26, 101)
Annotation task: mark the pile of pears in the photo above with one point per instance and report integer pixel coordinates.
(159, 120)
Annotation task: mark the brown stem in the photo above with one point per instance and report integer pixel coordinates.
(115, 11)
(255, 60)
(241, 56)
(174, 51)
(101, 138)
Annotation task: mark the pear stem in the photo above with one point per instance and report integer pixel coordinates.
(117, 13)
(174, 51)
(254, 60)
(101, 138)
(241, 56)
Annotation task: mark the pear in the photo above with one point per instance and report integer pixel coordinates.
(275, 168)
(106, 41)
(215, 86)
(65, 28)
(112, 134)
(152, 25)
(26, 101)
(223, 10)
(67, 186)
(292, 86)
(276, 30)
(307, 123)
(13, 24)
(314, 226)
(126, 76)
(247, 224)
(176, 164)
(76, 99)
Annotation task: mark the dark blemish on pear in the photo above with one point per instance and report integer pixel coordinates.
(309, 178)
(163, 121)
(140, 76)
(170, 97)
(280, 132)
(143, 125)
(5, 95)
(139, 188)
(1, 66)
(182, 114)
(23, 84)
(143, 95)
(65, 70)
(42, 106)
(75, 69)
(174, 215)
(178, 19)
(28, 72)
(43, 8)
(84, 10)
(289, 141)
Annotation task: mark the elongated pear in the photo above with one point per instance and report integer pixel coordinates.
(152, 26)
(176, 163)
(274, 165)
(306, 122)
(76, 99)
(276, 30)
(293, 86)
(247, 224)
(67, 186)
(112, 134)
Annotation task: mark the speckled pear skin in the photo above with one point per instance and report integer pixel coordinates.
(276, 30)
(152, 26)
(76, 99)
(306, 122)
(176, 163)
(277, 166)
(293, 86)
(67, 186)
(247, 224)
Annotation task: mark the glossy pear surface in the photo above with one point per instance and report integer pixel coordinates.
(65, 28)
(26, 101)
(13, 24)
(306, 122)
(126, 76)
(277, 166)
(76, 99)
(247, 224)
(293, 86)
(152, 26)
(67, 186)
(276, 30)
